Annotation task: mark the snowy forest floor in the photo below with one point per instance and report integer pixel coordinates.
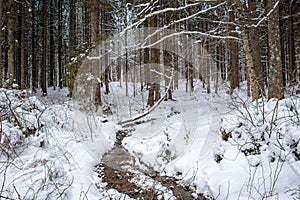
(212, 144)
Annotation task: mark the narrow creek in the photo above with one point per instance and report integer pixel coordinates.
(128, 175)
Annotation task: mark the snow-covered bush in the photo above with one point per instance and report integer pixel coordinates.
(267, 135)
(28, 146)
(15, 126)
(272, 126)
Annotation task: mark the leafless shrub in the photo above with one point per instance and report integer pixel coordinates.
(295, 193)
(22, 123)
(261, 126)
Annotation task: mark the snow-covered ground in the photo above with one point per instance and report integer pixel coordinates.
(64, 145)
(182, 138)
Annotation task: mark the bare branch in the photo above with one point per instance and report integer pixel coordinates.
(136, 24)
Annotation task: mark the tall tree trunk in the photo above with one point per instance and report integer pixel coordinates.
(150, 101)
(147, 74)
(154, 64)
(234, 63)
(291, 45)
(223, 61)
(275, 89)
(44, 57)
(106, 74)
(72, 32)
(175, 65)
(1, 65)
(95, 21)
(105, 34)
(218, 63)
(207, 63)
(256, 49)
(52, 67)
(72, 44)
(254, 84)
(168, 67)
(98, 101)
(95, 37)
(283, 45)
(168, 57)
(126, 54)
(126, 66)
(86, 8)
(11, 41)
(140, 68)
(34, 70)
(60, 64)
(189, 75)
(23, 80)
(18, 59)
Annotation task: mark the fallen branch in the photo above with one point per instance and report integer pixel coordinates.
(153, 107)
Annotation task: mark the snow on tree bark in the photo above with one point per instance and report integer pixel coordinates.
(275, 88)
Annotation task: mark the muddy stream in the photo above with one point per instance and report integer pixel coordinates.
(128, 175)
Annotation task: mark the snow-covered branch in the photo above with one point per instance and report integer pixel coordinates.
(136, 24)
(266, 17)
(159, 73)
(185, 18)
(190, 32)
